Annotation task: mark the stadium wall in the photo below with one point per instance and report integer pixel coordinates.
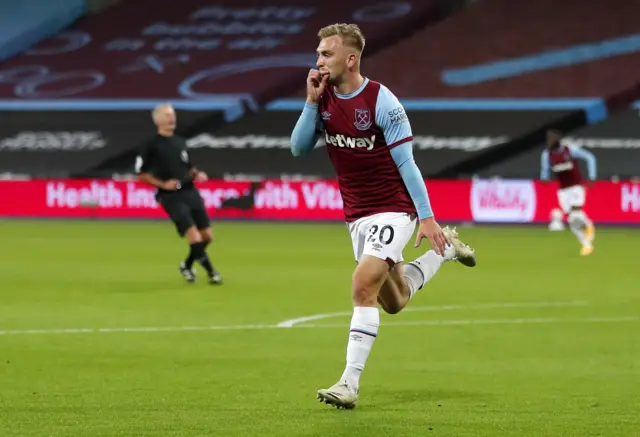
(452, 138)
(98, 138)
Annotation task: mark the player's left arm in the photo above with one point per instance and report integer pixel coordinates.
(586, 156)
(392, 119)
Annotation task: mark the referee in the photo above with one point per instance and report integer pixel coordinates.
(164, 163)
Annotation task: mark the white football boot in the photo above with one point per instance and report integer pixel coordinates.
(188, 274)
(464, 254)
(340, 395)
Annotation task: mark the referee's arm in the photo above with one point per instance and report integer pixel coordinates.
(195, 173)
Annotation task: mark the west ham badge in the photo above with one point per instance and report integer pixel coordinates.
(363, 119)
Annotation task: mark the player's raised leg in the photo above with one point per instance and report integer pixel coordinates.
(404, 281)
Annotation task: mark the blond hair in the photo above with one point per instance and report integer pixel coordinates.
(351, 34)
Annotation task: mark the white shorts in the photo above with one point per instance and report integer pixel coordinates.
(571, 197)
(383, 235)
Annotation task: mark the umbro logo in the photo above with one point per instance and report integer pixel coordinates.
(326, 115)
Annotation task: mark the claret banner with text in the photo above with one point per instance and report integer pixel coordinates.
(481, 201)
(202, 49)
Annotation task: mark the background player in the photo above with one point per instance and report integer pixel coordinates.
(368, 139)
(165, 164)
(560, 156)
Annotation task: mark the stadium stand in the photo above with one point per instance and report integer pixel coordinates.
(509, 49)
(27, 22)
(236, 48)
(97, 6)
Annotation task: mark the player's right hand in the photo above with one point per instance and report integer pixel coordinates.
(171, 185)
(316, 84)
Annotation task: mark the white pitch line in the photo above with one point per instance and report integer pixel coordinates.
(139, 329)
(335, 325)
(492, 322)
(293, 322)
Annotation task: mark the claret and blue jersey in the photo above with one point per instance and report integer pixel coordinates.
(562, 161)
(369, 141)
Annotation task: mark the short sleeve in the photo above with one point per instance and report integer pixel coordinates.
(144, 159)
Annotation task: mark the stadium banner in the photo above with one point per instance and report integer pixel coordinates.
(482, 201)
(61, 143)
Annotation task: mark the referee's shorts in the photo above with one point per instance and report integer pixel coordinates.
(185, 208)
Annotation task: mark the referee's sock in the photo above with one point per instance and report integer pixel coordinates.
(201, 256)
(193, 254)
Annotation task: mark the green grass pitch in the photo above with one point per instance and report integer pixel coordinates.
(100, 336)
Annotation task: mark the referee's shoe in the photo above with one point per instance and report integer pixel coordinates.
(190, 275)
